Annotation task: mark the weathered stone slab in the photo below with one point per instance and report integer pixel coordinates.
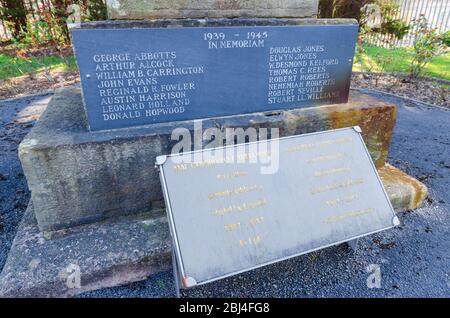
(175, 74)
(405, 192)
(111, 173)
(125, 250)
(177, 9)
(214, 22)
(86, 258)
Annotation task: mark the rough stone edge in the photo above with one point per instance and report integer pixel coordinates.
(213, 22)
(405, 192)
(179, 9)
(36, 139)
(20, 281)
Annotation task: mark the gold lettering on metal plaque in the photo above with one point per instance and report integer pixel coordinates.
(301, 147)
(240, 207)
(346, 199)
(335, 156)
(328, 172)
(235, 191)
(231, 175)
(350, 214)
(336, 141)
(337, 185)
(232, 226)
(253, 240)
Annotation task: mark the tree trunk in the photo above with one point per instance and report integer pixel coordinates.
(14, 12)
(341, 8)
(60, 12)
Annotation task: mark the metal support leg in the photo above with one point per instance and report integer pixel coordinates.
(176, 277)
(353, 244)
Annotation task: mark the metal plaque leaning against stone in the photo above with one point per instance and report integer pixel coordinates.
(176, 71)
(228, 214)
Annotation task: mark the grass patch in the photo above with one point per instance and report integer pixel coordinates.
(11, 66)
(378, 59)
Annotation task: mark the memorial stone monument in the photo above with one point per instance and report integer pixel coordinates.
(96, 216)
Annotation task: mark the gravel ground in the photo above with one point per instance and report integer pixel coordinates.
(38, 83)
(414, 258)
(425, 89)
(16, 119)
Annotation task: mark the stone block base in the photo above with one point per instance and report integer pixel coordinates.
(106, 174)
(85, 258)
(405, 192)
(129, 249)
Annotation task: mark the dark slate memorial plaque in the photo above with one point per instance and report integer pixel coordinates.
(141, 76)
(226, 217)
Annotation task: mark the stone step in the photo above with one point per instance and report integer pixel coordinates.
(176, 9)
(108, 174)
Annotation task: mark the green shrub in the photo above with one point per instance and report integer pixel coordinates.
(341, 8)
(428, 44)
(48, 30)
(445, 38)
(392, 26)
(48, 27)
(395, 27)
